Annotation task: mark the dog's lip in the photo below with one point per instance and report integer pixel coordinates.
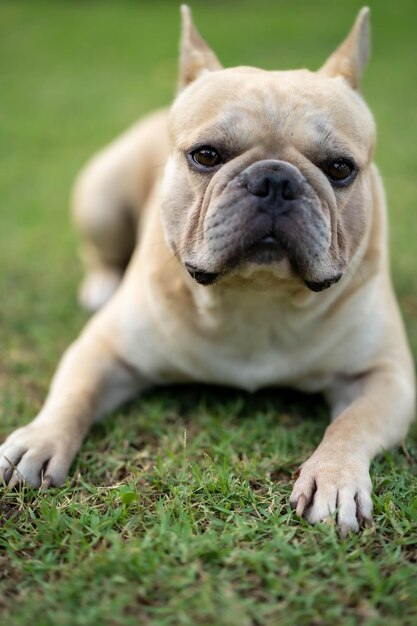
(209, 278)
(318, 286)
(266, 250)
(202, 277)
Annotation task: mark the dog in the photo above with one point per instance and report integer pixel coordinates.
(240, 239)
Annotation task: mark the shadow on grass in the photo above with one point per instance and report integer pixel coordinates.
(278, 427)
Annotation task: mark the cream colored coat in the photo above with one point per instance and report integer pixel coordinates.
(258, 326)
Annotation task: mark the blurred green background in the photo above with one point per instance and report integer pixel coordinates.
(73, 75)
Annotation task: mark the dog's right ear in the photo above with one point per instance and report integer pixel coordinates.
(195, 55)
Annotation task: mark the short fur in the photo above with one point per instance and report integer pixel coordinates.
(261, 320)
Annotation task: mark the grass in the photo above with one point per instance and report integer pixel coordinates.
(177, 512)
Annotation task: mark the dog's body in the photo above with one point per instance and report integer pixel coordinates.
(293, 270)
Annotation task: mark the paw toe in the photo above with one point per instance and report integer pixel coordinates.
(29, 470)
(10, 456)
(364, 506)
(323, 506)
(302, 495)
(347, 513)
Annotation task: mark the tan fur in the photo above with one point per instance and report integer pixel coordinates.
(259, 324)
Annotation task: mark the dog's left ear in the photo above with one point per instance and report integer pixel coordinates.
(351, 57)
(195, 55)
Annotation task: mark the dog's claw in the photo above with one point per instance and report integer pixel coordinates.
(46, 483)
(14, 480)
(301, 505)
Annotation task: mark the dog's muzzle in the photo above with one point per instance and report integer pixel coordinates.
(279, 217)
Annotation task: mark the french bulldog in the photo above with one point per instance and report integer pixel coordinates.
(240, 239)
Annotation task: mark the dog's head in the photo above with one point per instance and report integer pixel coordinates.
(269, 170)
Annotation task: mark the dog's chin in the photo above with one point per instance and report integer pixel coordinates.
(268, 254)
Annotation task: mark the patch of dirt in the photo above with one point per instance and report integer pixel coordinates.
(281, 476)
(7, 511)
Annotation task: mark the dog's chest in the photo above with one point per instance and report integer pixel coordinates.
(249, 347)
(257, 348)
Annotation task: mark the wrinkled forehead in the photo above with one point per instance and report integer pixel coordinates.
(256, 107)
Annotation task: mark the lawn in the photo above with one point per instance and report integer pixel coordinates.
(176, 511)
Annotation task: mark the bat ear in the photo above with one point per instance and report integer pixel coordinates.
(351, 57)
(195, 55)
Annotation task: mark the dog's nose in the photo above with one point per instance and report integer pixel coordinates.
(273, 185)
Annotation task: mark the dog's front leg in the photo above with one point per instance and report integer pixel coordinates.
(90, 381)
(371, 413)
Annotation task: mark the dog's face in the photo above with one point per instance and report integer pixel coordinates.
(269, 170)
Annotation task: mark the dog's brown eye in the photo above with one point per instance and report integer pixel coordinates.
(207, 157)
(339, 170)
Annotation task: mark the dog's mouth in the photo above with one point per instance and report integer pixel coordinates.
(267, 250)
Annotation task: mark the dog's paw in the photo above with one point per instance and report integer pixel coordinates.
(97, 288)
(327, 485)
(37, 454)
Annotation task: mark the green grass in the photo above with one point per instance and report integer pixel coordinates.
(177, 511)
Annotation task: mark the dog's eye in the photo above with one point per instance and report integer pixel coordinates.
(339, 170)
(206, 157)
